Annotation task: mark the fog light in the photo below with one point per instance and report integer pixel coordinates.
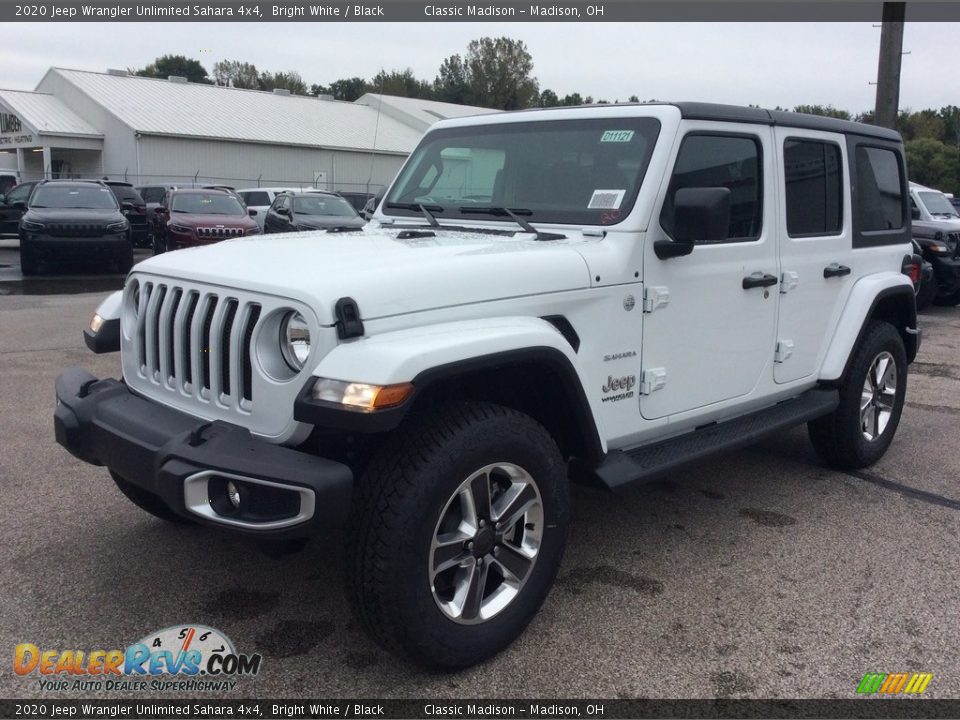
(233, 493)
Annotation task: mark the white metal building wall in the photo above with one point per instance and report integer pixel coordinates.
(177, 159)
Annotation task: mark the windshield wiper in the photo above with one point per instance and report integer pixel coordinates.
(420, 207)
(515, 216)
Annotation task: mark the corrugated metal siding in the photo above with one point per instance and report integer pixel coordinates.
(189, 109)
(239, 164)
(46, 114)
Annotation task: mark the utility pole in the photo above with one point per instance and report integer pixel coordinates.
(888, 68)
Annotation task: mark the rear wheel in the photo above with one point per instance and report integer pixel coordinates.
(460, 524)
(147, 501)
(948, 300)
(862, 427)
(29, 265)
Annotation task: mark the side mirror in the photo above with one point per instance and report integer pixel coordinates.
(915, 213)
(20, 204)
(699, 215)
(251, 212)
(126, 206)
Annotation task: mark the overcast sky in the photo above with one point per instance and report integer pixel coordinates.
(769, 64)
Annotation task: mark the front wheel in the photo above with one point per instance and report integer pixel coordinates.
(460, 524)
(862, 427)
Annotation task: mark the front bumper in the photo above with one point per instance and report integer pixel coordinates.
(187, 462)
(46, 247)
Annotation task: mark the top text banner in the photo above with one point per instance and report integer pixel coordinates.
(466, 11)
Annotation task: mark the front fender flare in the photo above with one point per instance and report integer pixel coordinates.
(429, 354)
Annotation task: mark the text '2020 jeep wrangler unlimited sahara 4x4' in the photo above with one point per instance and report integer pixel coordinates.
(601, 293)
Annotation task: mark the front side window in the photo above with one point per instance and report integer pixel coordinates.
(814, 187)
(73, 196)
(561, 171)
(198, 204)
(730, 161)
(879, 192)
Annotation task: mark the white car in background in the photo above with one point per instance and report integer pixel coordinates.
(261, 198)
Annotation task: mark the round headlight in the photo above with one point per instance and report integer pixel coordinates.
(295, 340)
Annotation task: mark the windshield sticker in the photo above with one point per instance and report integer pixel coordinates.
(606, 199)
(617, 136)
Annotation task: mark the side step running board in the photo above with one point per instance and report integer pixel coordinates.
(649, 462)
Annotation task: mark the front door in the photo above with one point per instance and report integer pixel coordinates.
(713, 339)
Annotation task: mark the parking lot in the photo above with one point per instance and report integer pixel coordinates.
(761, 574)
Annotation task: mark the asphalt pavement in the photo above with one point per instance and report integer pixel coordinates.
(759, 574)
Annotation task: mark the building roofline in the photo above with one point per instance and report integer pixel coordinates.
(362, 151)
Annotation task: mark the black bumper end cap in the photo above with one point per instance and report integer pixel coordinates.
(105, 340)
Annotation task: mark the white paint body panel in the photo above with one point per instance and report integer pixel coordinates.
(431, 301)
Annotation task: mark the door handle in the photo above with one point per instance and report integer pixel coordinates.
(758, 280)
(835, 270)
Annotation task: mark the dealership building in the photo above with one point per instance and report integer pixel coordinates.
(147, 130)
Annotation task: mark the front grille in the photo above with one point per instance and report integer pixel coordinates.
(76, 229)
(196, 342)
(218, 232)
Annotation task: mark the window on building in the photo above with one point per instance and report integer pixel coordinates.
(879, 193)
(814, 188)
(730, 161)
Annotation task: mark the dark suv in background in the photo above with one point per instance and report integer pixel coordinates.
(316, 210)
(74, 220)
(136, 214)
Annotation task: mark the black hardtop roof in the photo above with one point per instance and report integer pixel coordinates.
(737, 113)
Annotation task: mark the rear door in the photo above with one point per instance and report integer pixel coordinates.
(815, 249)
(713, 339)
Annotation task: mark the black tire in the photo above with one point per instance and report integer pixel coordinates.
(28, 262)
(948, 300)
(401, 503)
(839, 438)
(147, 501)
(125, 262)
(927, 290)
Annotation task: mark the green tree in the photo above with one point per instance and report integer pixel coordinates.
(348, 89)
(923, 124)
(548, 98)
(452, 83)
(934, 164)
(401, 83)
(633, 99)
(494, 73)
(573, 99)
(283, 81)
(181, 65)
(824, 110)
(234, 73)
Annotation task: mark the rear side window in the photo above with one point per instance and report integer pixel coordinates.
(730, 161)
(126, 193)
(814, 187)
(255, 197)
(879, 194)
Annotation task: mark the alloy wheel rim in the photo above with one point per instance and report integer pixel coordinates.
(486, 543)
(878, 396)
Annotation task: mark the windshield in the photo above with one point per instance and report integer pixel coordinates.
(322, 205)
(203, 204)
(562, 171)
(73, 196)
(937, 203)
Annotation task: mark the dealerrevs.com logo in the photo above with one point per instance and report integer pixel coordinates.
(183, 657)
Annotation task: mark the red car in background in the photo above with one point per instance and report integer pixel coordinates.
(192, 217)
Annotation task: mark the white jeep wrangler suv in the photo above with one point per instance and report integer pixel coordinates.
(599, 293)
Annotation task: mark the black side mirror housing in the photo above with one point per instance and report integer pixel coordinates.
(699, 215)
(251, 212)
(915, 213)
(19, 204)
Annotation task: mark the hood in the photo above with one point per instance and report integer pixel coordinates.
(929, 228)
(196, 220)
(74, 215)
(384, 274)
(328, 221)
